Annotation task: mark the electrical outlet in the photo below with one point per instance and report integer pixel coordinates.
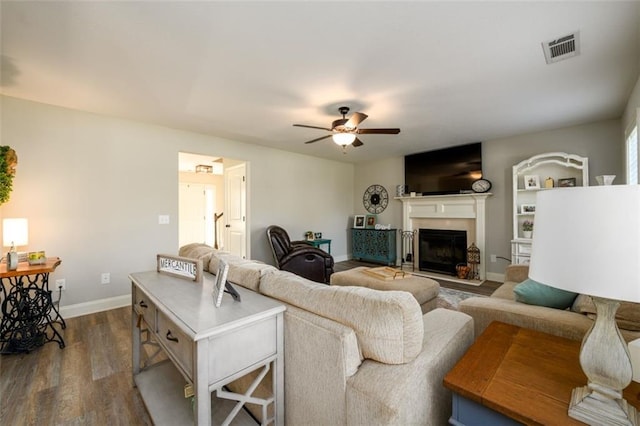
(494, 259)
(61, 284)
(105, 278)
(163, 219)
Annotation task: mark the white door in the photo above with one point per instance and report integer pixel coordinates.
(235, 191)
(196, 204)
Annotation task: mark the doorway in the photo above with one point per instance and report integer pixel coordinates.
(212, 202)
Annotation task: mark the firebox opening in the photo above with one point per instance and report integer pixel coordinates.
(441, 250)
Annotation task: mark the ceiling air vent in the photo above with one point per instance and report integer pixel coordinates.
(562, 48)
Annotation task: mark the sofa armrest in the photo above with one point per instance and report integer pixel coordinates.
(558, 322)
(412, 393)
(516, 273)
(320, 356)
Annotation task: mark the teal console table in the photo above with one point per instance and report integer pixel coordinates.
(374, 245)
(318, 242)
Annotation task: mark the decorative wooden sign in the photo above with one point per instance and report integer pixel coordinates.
(181, 267)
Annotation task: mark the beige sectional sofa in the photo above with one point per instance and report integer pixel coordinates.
(354, 355)
(571, 323)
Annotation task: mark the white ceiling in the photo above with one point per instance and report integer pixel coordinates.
(446, 73)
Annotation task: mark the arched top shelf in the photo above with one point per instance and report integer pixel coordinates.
(559, 158)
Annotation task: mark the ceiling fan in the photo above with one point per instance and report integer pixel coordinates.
(344, 131)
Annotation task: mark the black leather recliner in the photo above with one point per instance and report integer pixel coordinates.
(299, 257)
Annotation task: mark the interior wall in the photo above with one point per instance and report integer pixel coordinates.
(388, 173)
(93, 186)
(599, 141)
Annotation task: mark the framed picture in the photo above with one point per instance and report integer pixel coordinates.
(531, 182)
(358, 221)
(528, 208)
(371, 221)
(318, 235)
(567, 182)
(221, 281)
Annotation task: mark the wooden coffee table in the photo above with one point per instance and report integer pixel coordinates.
(513, 375)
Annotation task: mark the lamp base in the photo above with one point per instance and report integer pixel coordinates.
(593, 409)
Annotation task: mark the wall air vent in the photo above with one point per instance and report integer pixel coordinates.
(562, 48)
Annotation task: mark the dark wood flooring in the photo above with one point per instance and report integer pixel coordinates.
(485, 289)
(87, 383)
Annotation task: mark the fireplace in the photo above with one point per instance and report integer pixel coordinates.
(441, 250)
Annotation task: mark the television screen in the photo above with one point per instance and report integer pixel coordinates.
(444, 171)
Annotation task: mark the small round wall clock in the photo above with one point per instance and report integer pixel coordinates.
(375, 199)
(481, 185)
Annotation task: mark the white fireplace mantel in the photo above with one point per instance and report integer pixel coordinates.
(446, 207)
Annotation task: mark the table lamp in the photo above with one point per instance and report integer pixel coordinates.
(15, 232)
(587, 240)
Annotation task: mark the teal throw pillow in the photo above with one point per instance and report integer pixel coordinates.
(534, 293)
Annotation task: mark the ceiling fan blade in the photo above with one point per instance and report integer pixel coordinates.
(356, 143)
(355, 119)
(312, 127)
(318, 139)
(378, 131)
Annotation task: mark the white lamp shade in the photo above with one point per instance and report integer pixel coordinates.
(344, 138)
(587, 240)
(15, 231)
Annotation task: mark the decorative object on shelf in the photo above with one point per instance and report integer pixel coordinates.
(605, 179)
(375, 199)
(358, 221)
(481, 185)
(36, 258)
(15, 233)
(527, 208)
(381, 227)
(549, 183)
(371, 221)
(8, 163)
(473, 259)
(566, 182)
(531, 182)
(565, 256)
(400, 190)
(309, 236)
(527, 229)
(317, 235)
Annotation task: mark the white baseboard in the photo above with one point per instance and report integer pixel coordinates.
(494, 276)
(94, 306)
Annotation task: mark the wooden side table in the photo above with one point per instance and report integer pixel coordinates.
(28, 313)
(513, 375)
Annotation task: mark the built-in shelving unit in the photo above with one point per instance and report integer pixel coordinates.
(541, 172)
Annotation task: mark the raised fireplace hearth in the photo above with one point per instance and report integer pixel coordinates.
(441, 250)
(448, 212)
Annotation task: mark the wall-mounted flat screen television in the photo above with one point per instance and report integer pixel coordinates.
(443, 171)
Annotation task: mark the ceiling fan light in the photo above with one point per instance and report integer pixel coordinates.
(344, 139)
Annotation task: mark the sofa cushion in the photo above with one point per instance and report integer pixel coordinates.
(534, 293)
(627, 316)
(388, 324)
(243, 272)
(198, 251)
